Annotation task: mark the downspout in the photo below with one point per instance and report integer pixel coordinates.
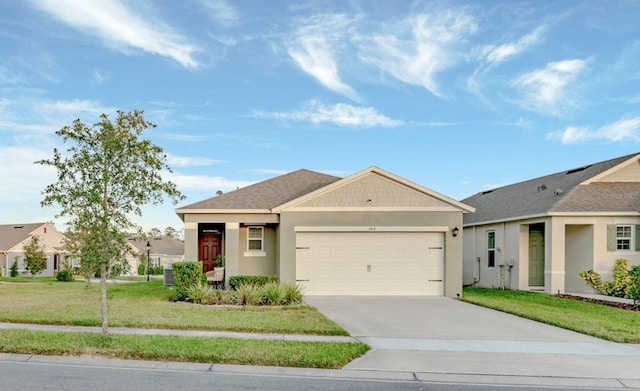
(476, 257)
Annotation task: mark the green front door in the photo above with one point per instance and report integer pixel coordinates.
(536, 258)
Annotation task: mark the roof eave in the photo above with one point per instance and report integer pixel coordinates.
(182, 212)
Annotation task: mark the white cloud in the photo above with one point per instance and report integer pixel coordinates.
(498, 54)
(313, 50)
(21, 178)
(204, 182)
(114, 22)
(623, 130)
(222, 11)
(545, 89)
(419, 48)
(184, 161)
(339, 114)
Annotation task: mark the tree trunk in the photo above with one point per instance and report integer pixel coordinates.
(103, 299)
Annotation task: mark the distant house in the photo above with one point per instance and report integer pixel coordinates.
(371, 233)
(539, 234)
(13, 237)
(163, 251)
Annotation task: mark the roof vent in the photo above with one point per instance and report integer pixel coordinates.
(219, 192)
(578, 169)
(18, 226)
(557, 192)
(487, 192)
(542, 187)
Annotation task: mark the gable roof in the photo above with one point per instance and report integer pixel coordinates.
(163, 245)
(265, 195)
(375, 170)
(12, 234)
(565, 191)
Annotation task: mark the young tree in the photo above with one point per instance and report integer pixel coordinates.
(106, 174)
(34, 259)
(171, 233)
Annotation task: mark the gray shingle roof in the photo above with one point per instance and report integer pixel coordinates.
(555, 192)
(269, 193)
(12, 234)
(159, 245)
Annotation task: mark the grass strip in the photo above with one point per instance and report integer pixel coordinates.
(613, 324)
(328, 355)
(146, 305)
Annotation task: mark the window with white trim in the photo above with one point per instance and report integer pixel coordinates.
(255, 239)
(623, 237)
(491, 249)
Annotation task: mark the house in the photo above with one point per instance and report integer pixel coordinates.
(372, 233)
(13, 237)
(539, 234)
(163, 251)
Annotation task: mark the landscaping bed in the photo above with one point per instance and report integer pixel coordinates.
(608, 303)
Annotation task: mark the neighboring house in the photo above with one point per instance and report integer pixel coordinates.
(163, 251)
(539, 234)
(13, 237)
(372, 233)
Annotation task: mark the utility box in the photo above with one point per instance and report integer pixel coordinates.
(168, 275)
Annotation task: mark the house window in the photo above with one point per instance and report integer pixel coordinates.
(491, 249)
(255, 239)
(623, 237)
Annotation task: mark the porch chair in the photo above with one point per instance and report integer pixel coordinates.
(216, 277)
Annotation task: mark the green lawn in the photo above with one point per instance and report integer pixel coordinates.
(185, 349)
(600, 321)
(146, 305)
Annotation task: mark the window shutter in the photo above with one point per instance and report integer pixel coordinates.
(638, 237)
(612, 242)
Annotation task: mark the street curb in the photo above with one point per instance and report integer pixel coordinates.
(337, 374)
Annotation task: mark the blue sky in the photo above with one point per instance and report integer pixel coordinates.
(456, 96)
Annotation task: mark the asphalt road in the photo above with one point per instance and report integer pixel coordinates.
(24, 376)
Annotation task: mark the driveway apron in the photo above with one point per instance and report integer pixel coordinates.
(443, 335)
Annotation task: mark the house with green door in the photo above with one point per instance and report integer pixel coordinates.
(539, 234)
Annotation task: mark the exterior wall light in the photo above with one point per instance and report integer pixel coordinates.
(455, 231)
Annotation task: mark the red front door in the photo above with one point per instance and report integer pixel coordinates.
(209, 249)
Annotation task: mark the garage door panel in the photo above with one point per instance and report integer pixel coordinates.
(378, 263)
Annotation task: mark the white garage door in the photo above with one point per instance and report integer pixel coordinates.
(370, 263)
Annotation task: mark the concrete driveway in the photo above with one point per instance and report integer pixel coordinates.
(437, 335)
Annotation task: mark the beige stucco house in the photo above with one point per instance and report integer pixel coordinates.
(372, 233)
(13, 237)
(539, 234)
(163, 251)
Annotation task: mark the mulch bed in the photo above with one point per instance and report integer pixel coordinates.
(623, 306)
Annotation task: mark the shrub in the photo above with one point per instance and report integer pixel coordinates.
(14, 269)
(199, 293)
(236, 281)
(273, 293)
(625, 283)
(64, 275)
(185, 275)
(592, 278)
(249, 294)
(292, 294)
(156, 270)
(634, 290)
(142, 269)
(221, 296)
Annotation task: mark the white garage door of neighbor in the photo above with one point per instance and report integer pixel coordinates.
(370, 263)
